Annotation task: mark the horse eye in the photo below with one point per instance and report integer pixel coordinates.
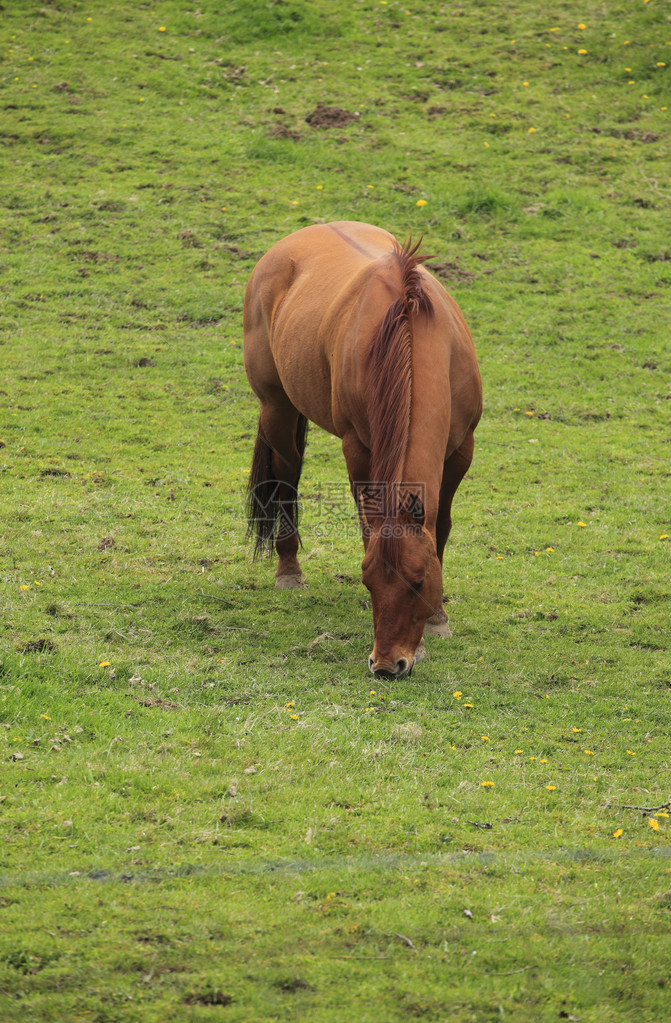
(418, 586)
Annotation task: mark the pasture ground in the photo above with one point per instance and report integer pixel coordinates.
(209, 809)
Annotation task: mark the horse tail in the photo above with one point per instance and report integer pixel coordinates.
(390, 368)
(266, 506)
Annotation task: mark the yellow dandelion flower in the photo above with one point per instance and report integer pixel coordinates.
(519, 751)
(105, 664)
(291, 703)
(162, 28)
(582, 524)
(468, 705)
(654, 824)
(421, 202)
(457, 695)
(664, 536)
(551, 788)
(543, 760)
(660, 813)
(485, 738)
(589, 752)
(582, 27)
(618, 833)
(25, 587)
(490, 785)
(582, 52)
(631, 753)
(294, 717)
(46, 717)
(576, 729)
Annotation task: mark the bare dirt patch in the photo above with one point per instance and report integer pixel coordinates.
(329, 117)
(280, 131)
(451, 272)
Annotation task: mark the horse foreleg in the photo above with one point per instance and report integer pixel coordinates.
(455, 469)
(357, 458)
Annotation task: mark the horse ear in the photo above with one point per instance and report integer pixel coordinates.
(412, 506)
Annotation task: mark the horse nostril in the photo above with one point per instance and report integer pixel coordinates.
(401, 667)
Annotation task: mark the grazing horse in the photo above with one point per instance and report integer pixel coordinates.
(345, 328)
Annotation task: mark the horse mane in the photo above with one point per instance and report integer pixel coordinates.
(390, 389)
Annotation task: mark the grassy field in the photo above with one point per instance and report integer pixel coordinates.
(209, 809)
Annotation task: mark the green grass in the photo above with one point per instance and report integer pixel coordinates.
(210, 810)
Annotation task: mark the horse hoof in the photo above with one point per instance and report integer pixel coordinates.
(289, 582)
(438, 625)
(421, 653)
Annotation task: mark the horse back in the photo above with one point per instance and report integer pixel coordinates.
(313, 307)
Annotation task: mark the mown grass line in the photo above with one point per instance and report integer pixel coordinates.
(365, 862)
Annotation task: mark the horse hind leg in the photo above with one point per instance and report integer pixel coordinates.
(272, 495)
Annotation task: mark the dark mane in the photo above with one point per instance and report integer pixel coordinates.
(390, 390)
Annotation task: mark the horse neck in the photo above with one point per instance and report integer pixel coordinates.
(429, 425)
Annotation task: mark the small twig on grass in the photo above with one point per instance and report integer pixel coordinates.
(643, 809)
(479, 824)
(320, 639)
(408, 942)
(510, 973)
(220, 600)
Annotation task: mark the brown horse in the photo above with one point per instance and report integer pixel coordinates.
(346, 328)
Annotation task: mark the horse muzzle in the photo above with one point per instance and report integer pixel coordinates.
(401, 668)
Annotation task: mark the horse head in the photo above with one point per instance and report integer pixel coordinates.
(403, 574)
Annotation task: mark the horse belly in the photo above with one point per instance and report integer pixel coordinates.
(304, 369)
